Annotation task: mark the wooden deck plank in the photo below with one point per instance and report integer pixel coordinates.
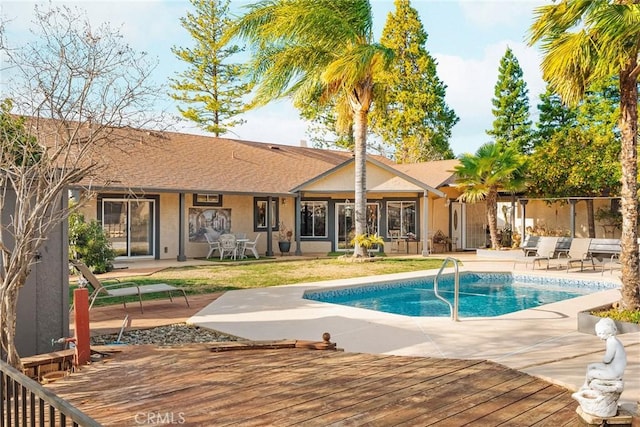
(536, 407)
(326, 402)
(316, 372)
(305, 387)
(498, 409)
(563, 416)
(408, 402)
(437, 404)
(332, 381)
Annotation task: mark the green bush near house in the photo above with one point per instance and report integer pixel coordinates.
(88, 242)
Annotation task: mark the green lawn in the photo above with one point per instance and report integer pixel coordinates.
(209, 279)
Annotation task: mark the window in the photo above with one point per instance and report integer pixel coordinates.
(401, 216)
(260, 214)
(202, 199)
(313, 219)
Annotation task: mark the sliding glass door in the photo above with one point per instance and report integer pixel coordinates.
(346, 225)
(130, 226)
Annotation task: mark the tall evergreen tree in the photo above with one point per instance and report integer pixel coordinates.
(512, 124)
(211, 87)
(554, 116)
(414, 119)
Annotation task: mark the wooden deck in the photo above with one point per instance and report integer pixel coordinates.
(192, 385)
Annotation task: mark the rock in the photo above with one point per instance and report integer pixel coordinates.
(180, 333)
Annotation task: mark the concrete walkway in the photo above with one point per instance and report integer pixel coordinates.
(543, 342)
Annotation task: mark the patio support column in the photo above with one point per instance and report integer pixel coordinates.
(512, 219)
(523, 205)
(269, 251)
(425, 224)
(181, 227)
(296, 221)
(572, 220)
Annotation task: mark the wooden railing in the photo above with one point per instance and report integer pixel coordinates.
(26, 403)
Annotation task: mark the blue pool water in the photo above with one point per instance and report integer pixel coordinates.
(481, 294)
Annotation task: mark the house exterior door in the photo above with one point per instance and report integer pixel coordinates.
(346, 224)
(457, 229)
(475, 225)
(130, 226)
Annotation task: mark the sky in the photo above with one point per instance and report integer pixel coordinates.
(466, 37)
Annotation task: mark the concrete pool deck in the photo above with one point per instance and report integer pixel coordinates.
(543, 342)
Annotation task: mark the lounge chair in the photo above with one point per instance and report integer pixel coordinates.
(530, 245)
(546, 250)
(120, 290)
(578, 252)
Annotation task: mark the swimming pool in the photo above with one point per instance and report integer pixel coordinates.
(481, 294)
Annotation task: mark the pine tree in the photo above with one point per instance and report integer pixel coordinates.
(554, 116)
(212, 88)
(512, 124)
(414, 117)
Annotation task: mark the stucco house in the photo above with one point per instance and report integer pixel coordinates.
(161, 193)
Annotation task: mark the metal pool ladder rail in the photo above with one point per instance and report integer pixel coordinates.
(456, 289)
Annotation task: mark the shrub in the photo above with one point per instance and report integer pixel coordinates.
(88, 242)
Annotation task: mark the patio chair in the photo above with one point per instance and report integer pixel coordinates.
(396, 240)
(228, 246)
(546, 250)
(117, 289)
(578, 252)
(530, 245)
(251, 246)
(214, 245)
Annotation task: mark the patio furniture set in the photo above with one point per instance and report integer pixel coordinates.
(564, 252)
(232, 245)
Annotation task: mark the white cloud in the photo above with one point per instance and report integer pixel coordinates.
(278, 123)
(491, 13)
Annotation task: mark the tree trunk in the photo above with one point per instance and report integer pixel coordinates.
(360, 151)
(492, 217)
(629, 203)
(8, 316)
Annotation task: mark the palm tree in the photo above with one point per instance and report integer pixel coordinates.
(587, 41)
(482, 175)
(304, 47)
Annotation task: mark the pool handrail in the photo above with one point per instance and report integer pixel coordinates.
(456, 288)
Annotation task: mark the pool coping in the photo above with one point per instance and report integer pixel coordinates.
(543, 341)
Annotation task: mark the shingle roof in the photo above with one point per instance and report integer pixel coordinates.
(142, 160)
(196, 163)
(435, 174)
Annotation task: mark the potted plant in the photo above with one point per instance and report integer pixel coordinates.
(284, 238)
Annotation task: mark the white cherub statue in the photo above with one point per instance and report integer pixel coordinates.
(603, 383)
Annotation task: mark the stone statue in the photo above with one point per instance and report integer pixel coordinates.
(603, 383)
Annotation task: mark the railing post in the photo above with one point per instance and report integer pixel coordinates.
(456, 290)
